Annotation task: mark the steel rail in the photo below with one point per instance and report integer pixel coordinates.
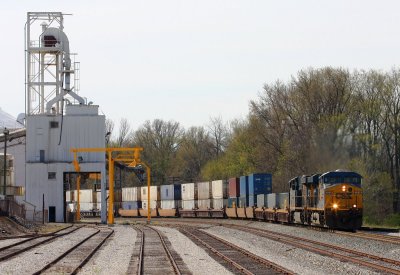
(372, 236)
(238, 266)
(66, 253)
(141, 253)
(33, 235)
(51, 237)
(166, 249)
(295, 241)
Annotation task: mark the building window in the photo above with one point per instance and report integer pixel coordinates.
(51, 175)
(53, 124)
(41, 155)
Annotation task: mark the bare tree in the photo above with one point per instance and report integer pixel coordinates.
(124, 132)
(219, 133)
(109, 129)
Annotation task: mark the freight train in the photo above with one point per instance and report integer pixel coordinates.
(332, 200)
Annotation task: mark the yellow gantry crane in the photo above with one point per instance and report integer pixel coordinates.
(127, 156)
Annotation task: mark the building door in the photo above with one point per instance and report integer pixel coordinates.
(52, 214)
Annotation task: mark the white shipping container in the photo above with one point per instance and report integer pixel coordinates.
(272, 200)
(131, 194)
(85, 195)
(154, 193)
(189, 204)
(153, 204)
(167, 192)
(204, 190)
(189, 191)
(262, 200)
(283, 201)
(67, 195)
(86, 206)
(218, 203)
(219, 189)
(204, 204)
(170, 204)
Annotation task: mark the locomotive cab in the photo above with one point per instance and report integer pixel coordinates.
(342, 199)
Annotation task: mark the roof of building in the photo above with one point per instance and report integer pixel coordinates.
(8, 121)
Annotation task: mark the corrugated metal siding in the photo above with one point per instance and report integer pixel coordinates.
(204, 190)
(131, 194)
(234, 187)
(189, 191)
(77, 132)
(219, 189)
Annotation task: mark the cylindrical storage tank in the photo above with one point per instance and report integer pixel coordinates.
(234, 187)
(131, 205)
(218, 203)
(170, 204)
(260, 183)
(189, 191)
(262, 200)
(219, 189)
(131, 194)
(189, 204)
(204, 204)
(154, 193)
(204, 190)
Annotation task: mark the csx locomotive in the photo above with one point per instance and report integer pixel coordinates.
(333, 199)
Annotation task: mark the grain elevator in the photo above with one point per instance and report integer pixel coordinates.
(57, 117)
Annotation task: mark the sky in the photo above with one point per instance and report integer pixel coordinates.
(189, 61)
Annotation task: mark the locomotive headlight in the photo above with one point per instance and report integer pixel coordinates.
(335, 206)
(344, 188)
(355, 205)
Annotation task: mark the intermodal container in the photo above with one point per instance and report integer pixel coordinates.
(131, 194)
(218, 203)
(234, 187)
(244, 186)
(260, 183)
(232, 202)
(170, 192)
(153, 204)
(189, 204)
(262, 200)
(243, 201)
(219, 189)
(204, 190)
(252, 201)
(283, 201)
(128, 205)
(204, 204)
(189, 191)
(170, 204)
(154, 193)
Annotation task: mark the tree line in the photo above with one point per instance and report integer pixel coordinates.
(319, 120)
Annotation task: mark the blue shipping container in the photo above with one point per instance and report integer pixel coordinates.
(232, 201)
(127, 205)
(260, 183)
(244, 186)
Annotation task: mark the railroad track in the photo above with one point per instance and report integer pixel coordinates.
(77, 256)
(372, 236)
(235, 258)
(14, 249)
(33, 235)
(154, 255)
(344, 254)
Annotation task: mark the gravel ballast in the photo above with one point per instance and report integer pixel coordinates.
(297, 260)
(36, 258)
(195, 258)
(113, 257)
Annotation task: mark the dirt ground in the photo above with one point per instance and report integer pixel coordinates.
(10, 228)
